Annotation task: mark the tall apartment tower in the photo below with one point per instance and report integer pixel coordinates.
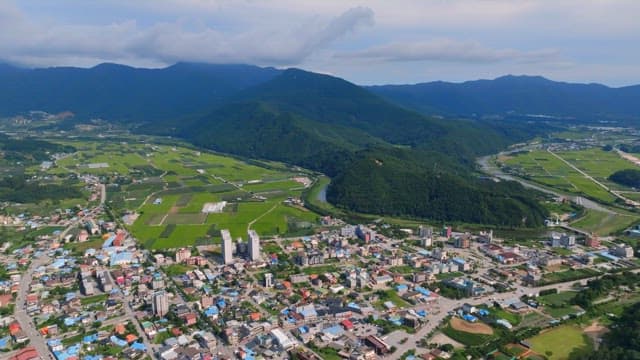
(268, 280)
(160, 303)
(227, 246)
(254, 245)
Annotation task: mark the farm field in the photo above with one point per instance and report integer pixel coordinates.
(541, 166)
(467, 333)
(604, 224)
(169, 185)
(598, 163)
(559, 342)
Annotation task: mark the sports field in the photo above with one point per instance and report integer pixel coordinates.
(557, 343)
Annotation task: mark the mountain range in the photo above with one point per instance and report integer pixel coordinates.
(518, 95)
(383, 147)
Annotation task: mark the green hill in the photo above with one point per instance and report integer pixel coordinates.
(384, 159)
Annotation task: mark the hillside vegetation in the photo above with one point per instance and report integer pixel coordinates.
(384, 159)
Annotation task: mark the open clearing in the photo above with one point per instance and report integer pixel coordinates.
(473, 328)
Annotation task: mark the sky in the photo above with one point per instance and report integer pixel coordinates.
(366, 42)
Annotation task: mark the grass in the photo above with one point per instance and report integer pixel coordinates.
(390, 295)
(402, 269)
(465, 338)
(512, 318)
(558, 312)
(94, 299)
(569, 275)
(603, 223)
(449, 275)
(320, 269)
(558, 299)
(542, 167)
(95, 243)
(177, 269)
(560, 342)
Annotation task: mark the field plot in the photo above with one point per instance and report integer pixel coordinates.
(176, 191)
(561, 341)
(603, 223)
(474, 328)
(466, 333)
(186, 211)
(598, 163)
(543, 167)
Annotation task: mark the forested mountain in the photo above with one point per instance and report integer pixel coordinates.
(125, 94)
(384, 159)
(523, 95)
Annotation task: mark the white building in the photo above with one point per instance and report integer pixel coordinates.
(160, 303)
(268, 280)
(254, 245)
(227, 246)
(284, 342)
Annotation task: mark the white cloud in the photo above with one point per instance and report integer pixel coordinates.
(168, 42)
(448, 50)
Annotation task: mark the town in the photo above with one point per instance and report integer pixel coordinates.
(90, 291)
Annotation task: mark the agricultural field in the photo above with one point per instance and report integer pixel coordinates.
(598, 163)
(467, 333)
(169, 186)
(543, 167)
(557, 343)
(603, 223)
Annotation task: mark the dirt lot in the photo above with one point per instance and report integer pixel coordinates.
(595, 332)
(474, 328)
(440, 338)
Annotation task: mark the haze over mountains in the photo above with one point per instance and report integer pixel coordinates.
(533, 95)
(384, 151)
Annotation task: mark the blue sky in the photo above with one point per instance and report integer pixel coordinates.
(367, 42)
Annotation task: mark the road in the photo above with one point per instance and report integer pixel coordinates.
(23, 318)
(131, 316)
(605, 187)
(496, 172)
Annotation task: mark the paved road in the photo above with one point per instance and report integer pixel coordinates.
(131, 316)
(605, 187)
(23, 318)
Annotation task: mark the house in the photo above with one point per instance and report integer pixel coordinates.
(377, 344)
(190, 319)
(28, 353)
(5, 300)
